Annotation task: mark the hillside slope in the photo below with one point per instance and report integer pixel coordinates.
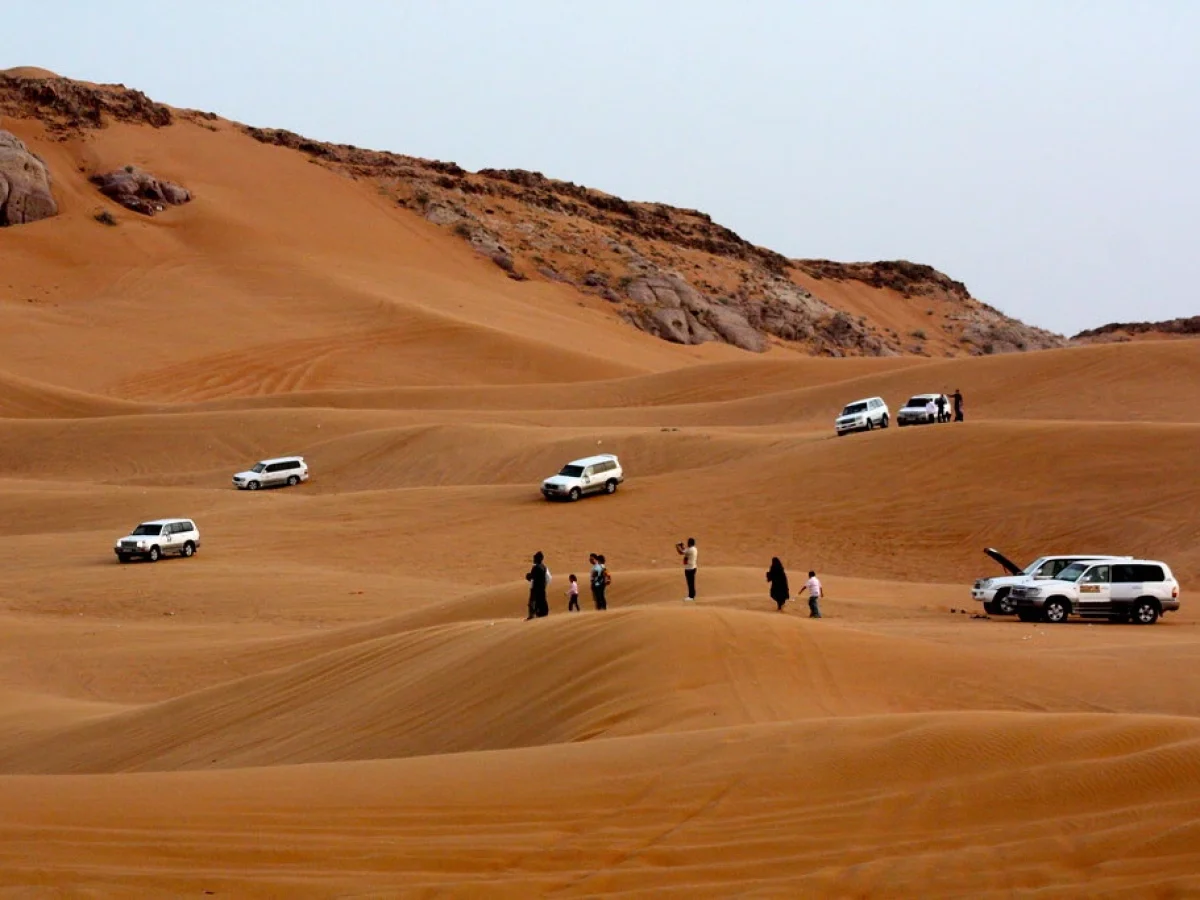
(671, 272)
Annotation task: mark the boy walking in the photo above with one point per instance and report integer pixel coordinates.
(573, 594)
(813, 586)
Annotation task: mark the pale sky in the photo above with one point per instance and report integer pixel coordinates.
(1045, 153)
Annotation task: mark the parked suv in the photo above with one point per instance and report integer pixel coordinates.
(863, 415)
(590, 475)
(993, 593)
(915, 409)
(152, 540)
(1118, 590)
(287, 470)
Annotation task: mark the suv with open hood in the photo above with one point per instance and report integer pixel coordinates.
(590, 475)
(994, 593)
(1121, 590)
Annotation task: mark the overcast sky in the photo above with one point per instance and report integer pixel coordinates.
(1043, 152)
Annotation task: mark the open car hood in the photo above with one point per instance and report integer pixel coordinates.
(1008, 564)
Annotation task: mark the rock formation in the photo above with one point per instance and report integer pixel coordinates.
(140, 191)
(25, 194)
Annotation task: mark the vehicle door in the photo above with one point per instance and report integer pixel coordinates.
(1095, 591)
(169, 542)
(588, 479)
(274, 474)
(1126, 584)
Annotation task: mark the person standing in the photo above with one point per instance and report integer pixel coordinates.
(958, 405)
(941, 408)
(930, 411)
(689, 554)
(779, 583)
(572, 593)
(600, 581)
(813, 586)
(538, 578)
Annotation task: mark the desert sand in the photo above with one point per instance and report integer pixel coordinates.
(338, 695)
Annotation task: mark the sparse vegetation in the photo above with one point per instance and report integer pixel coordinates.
(104, 217)
(919, 334)
(462, 229)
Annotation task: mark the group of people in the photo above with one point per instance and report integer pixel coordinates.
(539, 578)
(937, 411)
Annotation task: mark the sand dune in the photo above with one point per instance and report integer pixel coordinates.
(338, 696)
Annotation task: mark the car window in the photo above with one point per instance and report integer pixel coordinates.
(1049, 568)
(1149, 573)
(1096, 575)
(148, 530)
(571, 471)
(854, 408)
(259, 468)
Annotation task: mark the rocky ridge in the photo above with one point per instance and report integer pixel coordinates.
(669, 271)
(1126, 331)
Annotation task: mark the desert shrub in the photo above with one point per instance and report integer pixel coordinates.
(504, 261)
(462, 229)
(919, 334)
(104, 217)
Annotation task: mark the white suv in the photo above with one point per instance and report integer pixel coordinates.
(915, 411)
(1118, 590)
(590, 475)
(863, 415)
(993, 593)
(287, 470)
(152, 540)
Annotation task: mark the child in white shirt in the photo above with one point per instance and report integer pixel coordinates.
(573, 594)
(813, 586)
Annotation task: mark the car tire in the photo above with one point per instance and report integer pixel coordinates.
(991, 608)
(883, 423)
(610, 486)
(293, 481)
(123, 557)
(154, 554)
(252, 485)
(1145, 611)
(574, 494)
(189, 549)
(1055, 611)
(870, 425)
(1004, 605)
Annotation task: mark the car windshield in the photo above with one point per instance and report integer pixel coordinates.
(1073, 571)
(1033, 566)
(918, 401)
(259, 467)
(571, 471)
(148, 529)
(854, 408)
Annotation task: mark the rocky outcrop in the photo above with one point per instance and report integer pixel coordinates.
(1118, 331)
(25, 194)
(140, 191)
(63, 105)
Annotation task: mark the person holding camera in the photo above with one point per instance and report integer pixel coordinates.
(689, 567)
